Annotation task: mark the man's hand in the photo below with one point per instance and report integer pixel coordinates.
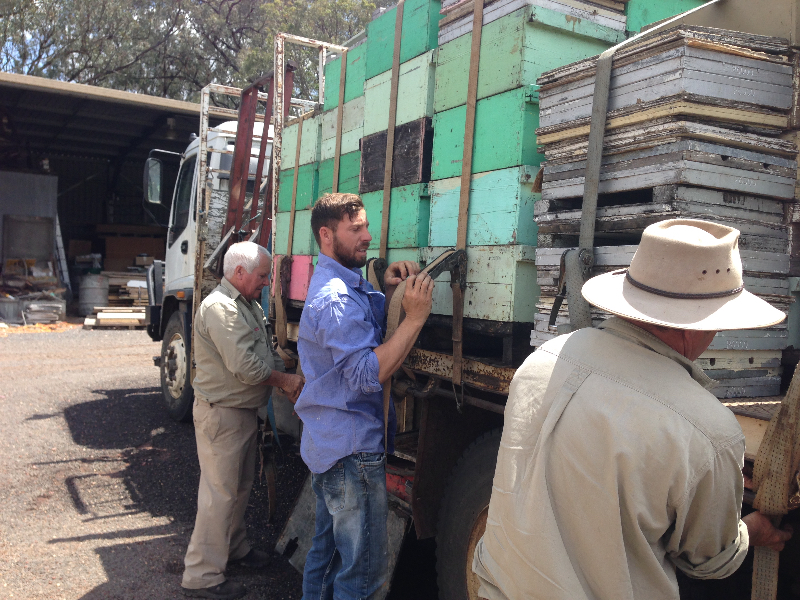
(399, 271)
(290, 385)
(418, 297)
(763, 533)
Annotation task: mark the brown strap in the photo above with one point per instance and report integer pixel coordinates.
(394, 316)
(300, 122)
(339, 117)
(387, 172)
(280, 305)
(372, 276)
(776, 465)
(466, 180)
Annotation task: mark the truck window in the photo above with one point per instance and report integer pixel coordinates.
(183, 197)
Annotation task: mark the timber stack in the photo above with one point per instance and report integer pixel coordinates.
(696, 128)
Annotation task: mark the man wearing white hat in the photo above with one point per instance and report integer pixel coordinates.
(616, 465)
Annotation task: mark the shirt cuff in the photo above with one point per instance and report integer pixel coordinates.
(723, 564)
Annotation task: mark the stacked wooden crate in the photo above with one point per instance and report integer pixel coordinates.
(693, 131)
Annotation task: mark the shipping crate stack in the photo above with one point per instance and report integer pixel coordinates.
(694, 129)
(519, 41)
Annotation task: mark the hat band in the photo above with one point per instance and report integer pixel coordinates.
(680, 295)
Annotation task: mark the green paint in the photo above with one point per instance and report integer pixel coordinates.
(414, 94)
(500, 209)
(520, 42)
(353, 78)
(307, 184)
(409, 216)
(349, 170)
(505, 135)
(395, 254)
(420, 34)
(303, 242)
(643, 12)
(309, 146)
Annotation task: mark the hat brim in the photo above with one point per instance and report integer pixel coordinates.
(613, 293)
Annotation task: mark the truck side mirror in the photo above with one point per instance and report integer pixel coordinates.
(152, 180)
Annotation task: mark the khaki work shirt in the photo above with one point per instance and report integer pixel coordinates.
(233, 350)
(616, 465)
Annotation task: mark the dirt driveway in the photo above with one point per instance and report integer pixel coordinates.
(97, 485)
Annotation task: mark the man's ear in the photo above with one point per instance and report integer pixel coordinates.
(325, 233)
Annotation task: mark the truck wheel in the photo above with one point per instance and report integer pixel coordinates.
(176, 375)
(462, 518)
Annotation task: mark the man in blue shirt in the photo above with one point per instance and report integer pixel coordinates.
(345, 364)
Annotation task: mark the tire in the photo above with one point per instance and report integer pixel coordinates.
(462, 517)
(176, 375)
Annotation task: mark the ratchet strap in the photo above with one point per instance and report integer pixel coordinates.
(775, 481)
(466, 180)
(387, 171)
(394, 316)
(339, 118)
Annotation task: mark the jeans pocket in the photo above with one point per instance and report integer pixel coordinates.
(371, 459)
(333, 487)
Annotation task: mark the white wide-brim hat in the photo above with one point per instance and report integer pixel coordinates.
(686, 274)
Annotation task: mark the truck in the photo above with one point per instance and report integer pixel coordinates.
(411, 128)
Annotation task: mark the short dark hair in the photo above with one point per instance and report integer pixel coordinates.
(331, 208)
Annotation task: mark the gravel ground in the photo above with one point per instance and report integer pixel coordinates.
(97, 485)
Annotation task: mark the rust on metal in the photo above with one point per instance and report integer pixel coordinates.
(480, 375)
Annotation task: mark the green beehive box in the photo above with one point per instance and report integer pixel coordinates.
(352, 128)
(500, 209)
(354, 77)
(522, 42)
(414, 94)
(349, 167)
(505, 134)
(501, 283)
(643, 12)
(394, 254)
(409, 216)
(303, 242)
(307, 185)
(420, 34)
(309, 146)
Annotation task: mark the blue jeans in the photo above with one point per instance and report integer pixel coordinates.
(349, 557)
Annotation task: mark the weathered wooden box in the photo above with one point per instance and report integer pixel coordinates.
(501, 283)
(411, 157)
(414, 94)
(583, 18)
(307, 186)
(354, 77)
(500, 209)
(309, 145)
(349, 168)
(394, 254)
(303, 242)
(352, 128)
(505, 134)
(409, 216)
(515, 51)
(302, 270)
(420, 29)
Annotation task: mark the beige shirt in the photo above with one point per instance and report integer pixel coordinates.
(233, 351)
(616, 465)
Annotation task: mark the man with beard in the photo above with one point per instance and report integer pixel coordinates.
(345, 365)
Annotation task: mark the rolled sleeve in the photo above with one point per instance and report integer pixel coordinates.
(710, 540)
(235, 343)
(351, 340)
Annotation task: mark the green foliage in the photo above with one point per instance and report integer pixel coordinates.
(169, 48)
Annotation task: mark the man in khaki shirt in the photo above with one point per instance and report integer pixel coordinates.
(616, 465)
(236, 368)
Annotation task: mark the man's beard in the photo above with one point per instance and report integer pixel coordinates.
(348, 258)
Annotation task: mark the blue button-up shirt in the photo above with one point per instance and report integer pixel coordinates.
(341, 405)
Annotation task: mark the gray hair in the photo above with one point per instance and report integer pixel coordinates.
(246, 254)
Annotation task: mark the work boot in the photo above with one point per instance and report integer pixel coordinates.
(227, 590)
(255, 559)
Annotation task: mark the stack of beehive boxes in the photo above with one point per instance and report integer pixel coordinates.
(693, 131)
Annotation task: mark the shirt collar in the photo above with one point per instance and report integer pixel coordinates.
(637, 335)
(352, 277)
(234, 293)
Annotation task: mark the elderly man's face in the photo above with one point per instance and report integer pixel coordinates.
(250, 284)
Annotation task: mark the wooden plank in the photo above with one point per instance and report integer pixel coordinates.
(420, 30)
(352, 120)
(754, 430)
(505, 126)
(411, 158)
(414, 94)
(409, 215)
(307, 187)
(500, 210)
(522, 45)
(643, 12)
(302, 270)
(303, 242)
(349, 171)
(309, 145)
(354, 76)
